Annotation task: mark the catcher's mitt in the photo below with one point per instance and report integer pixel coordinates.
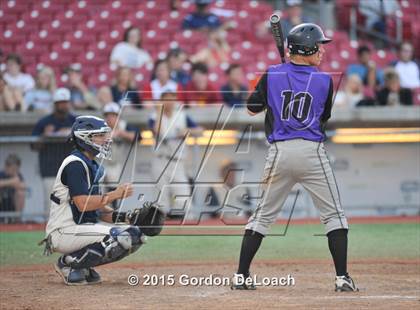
(150, 218)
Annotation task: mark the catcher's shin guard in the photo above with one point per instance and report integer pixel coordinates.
(115, 246)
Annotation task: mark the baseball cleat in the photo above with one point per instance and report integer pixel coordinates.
(92, 277)
(70, 276)
(241, 283)
(345, 284)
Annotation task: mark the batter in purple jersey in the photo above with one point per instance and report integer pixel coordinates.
(297, 99)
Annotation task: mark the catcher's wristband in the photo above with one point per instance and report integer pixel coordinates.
(118, 217)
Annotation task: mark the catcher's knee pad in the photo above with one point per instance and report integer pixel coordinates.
(122, 242)
(115, 246)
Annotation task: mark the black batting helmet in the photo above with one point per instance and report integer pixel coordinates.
(303, 39)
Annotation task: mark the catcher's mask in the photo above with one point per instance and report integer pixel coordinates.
(83, 131)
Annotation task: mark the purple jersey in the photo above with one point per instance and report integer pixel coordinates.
(298, 100)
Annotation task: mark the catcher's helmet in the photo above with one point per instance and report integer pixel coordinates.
(82, 132)
(303, 39)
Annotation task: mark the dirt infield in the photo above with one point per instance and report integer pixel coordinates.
(383, 285)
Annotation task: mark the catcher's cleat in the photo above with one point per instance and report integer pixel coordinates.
(241, 283)
(69, 275)
(345, 284)
(92, 277)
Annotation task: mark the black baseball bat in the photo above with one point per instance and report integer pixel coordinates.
(277, 34)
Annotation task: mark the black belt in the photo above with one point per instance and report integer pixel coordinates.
(55, 199)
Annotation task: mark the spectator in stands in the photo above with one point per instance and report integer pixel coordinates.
(122, 91)
(12, 185)
(371, 76)
(263, 32)
(199, 91)
(54, 128)
(352, 94)
(7, 100)
(81, 97)
(170, 124)
(104, 95)
(234, 93)
(130, 53)
(201, 19)
(176, 58)
(174, 5)
(294, 15)
(161, 82)
(40, 98)
(393, 94)
(375, 12)
(18, 81)
(407, 69)
(217, 51)
(237, 203)
(122, 135)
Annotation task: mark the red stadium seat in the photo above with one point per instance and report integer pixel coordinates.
(106, 16)
(164, 26)
(226, 4)
(81, 37)
(35, 16)
(248, 48)
(8, 18)
(93, 58)
(31, 48)
(118, 7)
(45, 37)
(50, 7)
(57, 61)
(22, 27)
(12, 36)
(14, 7)
(85, 8)
(175, 19)
(69, 48)
(156, 8)
(142, 75)
(153, 37)
(383, 58)
(95, 26)
(101, 46)
(141, 19)
(70, 16)
(58, 27)
(113, 37)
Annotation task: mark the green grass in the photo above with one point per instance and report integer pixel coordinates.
(366, 241)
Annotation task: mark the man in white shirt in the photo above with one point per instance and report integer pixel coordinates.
(407, 69)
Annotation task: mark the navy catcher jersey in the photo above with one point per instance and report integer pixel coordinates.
(75, 178)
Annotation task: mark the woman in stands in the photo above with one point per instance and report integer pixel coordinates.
(130, 53)
(40, 98)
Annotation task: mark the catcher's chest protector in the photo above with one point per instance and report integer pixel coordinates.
(61, 213)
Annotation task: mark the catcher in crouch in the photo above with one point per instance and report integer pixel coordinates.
(81, 225)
